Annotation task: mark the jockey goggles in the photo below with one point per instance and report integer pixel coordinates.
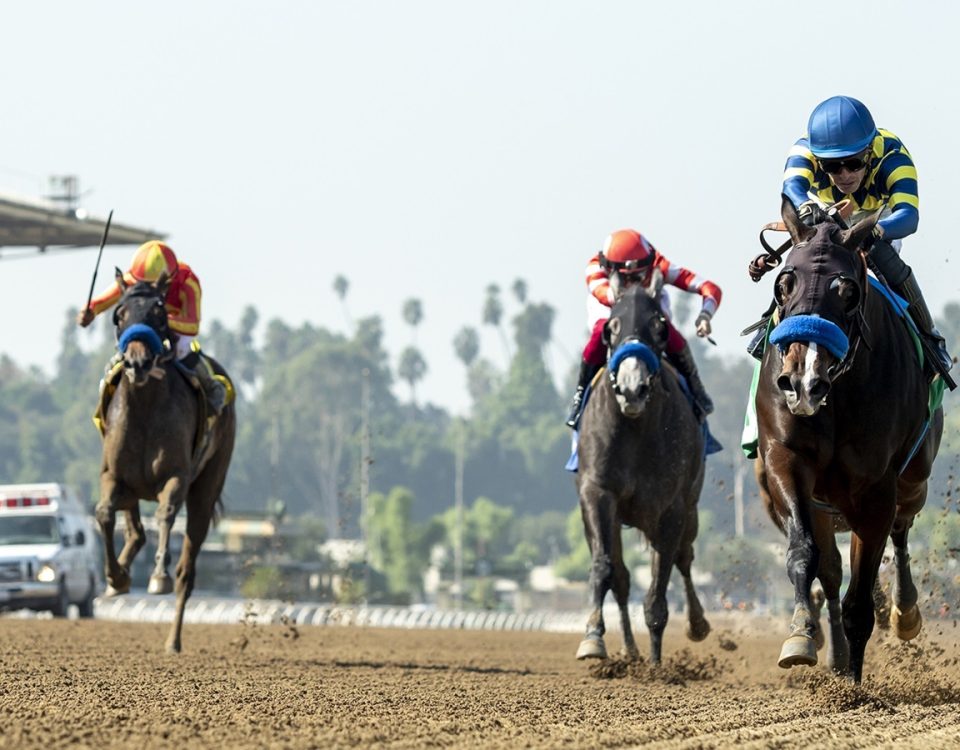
(627, 266)
(851, 164)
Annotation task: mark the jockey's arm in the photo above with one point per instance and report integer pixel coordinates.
(598, 282)
(104, 301)
(798, 174)
(898, 175)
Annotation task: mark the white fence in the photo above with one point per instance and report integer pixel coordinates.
(134, 608)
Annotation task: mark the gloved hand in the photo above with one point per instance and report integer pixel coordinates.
(811, 213)
(703, 324)
(85, 317)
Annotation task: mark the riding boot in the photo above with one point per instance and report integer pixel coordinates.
(214, 391)
(917, 307)
(684, 362)
(587, 371)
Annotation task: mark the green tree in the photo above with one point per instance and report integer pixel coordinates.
(466, 345)
(411, 368)
(413, 315)
(340, 287)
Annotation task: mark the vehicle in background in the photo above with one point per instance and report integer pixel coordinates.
(48, 553)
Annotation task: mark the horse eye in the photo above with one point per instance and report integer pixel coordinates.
(784, 287)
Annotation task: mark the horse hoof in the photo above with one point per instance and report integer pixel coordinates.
(112, 591)
(173, 648)
(907, 624)
(160, 585)
(798, 651)
(696, 632)
(592, 648)
(630, 654)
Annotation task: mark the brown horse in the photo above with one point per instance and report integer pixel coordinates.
(156, 447)
(845, 438)
(641, 465)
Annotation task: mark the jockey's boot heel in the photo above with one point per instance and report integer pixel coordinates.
(213, 390)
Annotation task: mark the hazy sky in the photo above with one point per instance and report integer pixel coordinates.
(426, 149)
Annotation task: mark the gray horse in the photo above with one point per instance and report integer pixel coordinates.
(157, 445)
(641, 465)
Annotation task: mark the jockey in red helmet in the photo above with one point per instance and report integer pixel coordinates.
(628, 257)
(152, 260)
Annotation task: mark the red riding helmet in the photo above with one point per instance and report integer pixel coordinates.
(627, 252)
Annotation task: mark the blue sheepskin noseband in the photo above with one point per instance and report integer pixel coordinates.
(140, 332)
(811, 328)
(634, 349)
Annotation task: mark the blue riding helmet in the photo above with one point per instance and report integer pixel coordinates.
(839, 127)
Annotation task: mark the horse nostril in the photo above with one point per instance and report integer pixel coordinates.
(784, 383)
(818, 389)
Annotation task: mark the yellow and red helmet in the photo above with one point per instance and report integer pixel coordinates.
(153, 259)
(627, 251)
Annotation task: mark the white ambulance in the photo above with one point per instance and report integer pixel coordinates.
(48, 553)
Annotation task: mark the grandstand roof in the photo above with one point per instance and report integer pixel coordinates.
(30, 225)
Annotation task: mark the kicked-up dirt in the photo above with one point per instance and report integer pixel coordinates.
(105, 684)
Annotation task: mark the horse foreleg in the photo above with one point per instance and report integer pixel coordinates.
(830, 573)
(134, 537)
(111, 497)
(663, 553)
(171, 498)
(790, 484)
(866, 550)
(904, 614)
(697, 626)
(621, 590)
(597, 508)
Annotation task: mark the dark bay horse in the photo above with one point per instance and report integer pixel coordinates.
(641, 464)
(156, 448)
(846, 442)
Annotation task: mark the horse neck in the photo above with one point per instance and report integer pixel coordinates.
(148, 402)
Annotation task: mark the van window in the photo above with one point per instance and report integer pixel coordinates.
(28, 529)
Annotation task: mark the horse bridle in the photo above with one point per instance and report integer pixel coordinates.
(858, 326)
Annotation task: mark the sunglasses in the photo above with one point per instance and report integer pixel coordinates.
(835, 166)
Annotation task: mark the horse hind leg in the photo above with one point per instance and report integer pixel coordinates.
(905, 617)
(662, 557)
(134, 535)
(697, 626)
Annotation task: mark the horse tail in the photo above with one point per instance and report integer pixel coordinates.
(218, 508)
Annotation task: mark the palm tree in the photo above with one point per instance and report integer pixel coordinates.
(520, 290)
(412, 368)
(341, 286)
(466, 344)
(413, 315)
(493, 315)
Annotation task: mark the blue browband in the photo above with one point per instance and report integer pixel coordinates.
(634, 349)
(140, 332)
(811, 328)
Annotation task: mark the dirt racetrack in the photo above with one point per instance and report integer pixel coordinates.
(96, 684)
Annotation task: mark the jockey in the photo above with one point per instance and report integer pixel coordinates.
(845, 156)
(152, 260)
(627, 257)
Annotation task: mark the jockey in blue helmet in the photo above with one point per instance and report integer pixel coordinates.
(845, 156)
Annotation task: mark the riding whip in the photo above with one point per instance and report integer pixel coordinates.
(103, 241)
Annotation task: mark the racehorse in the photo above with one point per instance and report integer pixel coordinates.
(845, 438)
(157, 446)
(641, 464)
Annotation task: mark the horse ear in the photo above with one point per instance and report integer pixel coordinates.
(799, 232)
(853, 237)
(163, 283)
(121, 282)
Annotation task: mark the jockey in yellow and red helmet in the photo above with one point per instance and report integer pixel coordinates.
(152, 260)
(628, 257)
